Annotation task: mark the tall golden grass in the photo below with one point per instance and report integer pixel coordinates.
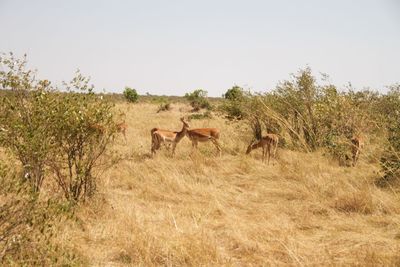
(202, 210)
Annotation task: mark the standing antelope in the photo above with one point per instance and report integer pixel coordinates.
(357, 143)
(121, 128)
(159, 136)
(269, 144)
(204, 135)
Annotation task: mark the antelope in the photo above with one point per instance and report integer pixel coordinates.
(121, 128)
(97, 127)
(357, 143)
(204, 135)
(268, 143)
(159, 136)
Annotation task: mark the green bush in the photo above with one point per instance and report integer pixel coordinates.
(234, 94)
(200, 116)
(131, 95)
(390, 161)
(234, 104)
(28, 224)
(306, 114)
(64, 134)
(198, 99)
(84, 129)
(26, 118)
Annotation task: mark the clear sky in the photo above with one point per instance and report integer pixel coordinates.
(175, 46)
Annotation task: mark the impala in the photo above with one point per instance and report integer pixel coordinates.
(357, 143)
(121, 128)
(159, 136)
(204, 135)
(268, 143)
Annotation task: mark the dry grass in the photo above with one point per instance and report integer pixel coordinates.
(204, 210)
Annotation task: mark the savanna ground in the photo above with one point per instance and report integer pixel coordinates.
(204, 210)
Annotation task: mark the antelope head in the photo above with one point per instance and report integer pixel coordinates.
(185, 123)
(250, 147)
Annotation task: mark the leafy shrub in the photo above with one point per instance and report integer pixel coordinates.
(390, 161)
(305, 114)
(131, 95)
(234, 103)
(85, 128)
(64, 133)
(198, 99)
(200, 116)
(234, 94)
(27, 225)
(159, 99)
(296, 101)
(26, 118)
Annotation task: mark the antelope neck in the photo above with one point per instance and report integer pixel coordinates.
(182, 133)
(256, 145)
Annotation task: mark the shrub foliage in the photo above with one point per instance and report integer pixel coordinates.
(61, 133)
(131, 95)
(309, 115)
(198, 99)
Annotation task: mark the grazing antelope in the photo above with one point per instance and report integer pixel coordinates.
(159, 136)
(204, 135)
(357, 143)
(268, 143)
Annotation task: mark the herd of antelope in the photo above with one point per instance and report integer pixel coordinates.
(159, 136)
(268, 143)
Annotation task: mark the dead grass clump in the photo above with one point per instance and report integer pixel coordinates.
(386, 203)
(358, 202)
(371, 257)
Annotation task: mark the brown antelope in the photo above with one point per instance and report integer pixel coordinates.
(121, 128)
(100, 129)
(204, 135)
(159, 136)
(268, 143)
(357, 144)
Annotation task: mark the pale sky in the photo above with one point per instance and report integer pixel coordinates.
(175, 46)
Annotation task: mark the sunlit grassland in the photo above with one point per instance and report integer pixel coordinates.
(200, 209)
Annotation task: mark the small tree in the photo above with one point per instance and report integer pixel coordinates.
(390, 161)
(234, 94)
(27, 224)
(84, 129)
(25, 117)
(198, 99)
(234, 104)
(44, 129)
(131, 95)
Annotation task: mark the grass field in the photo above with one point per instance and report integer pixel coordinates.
(234, 210)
